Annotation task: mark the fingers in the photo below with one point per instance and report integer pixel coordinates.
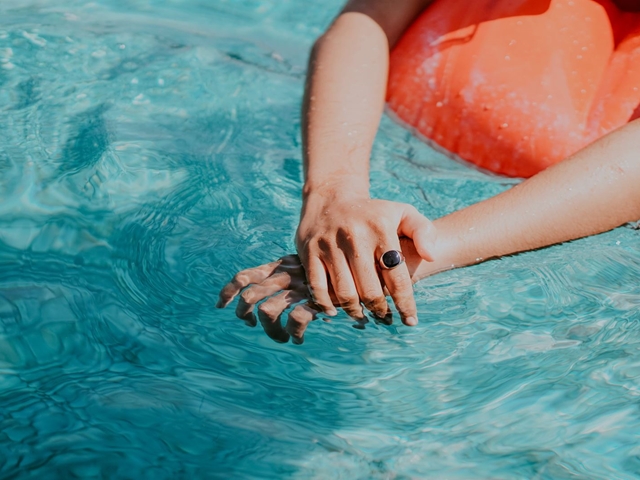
(301, 316)
(400, 286)
(270, 311)
(256, 293)
(262, 284)
(368, 284)
(344, 286)
(318, 287)
(245, 278)
(420, 229)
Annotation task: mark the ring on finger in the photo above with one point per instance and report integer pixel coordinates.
(391, 259)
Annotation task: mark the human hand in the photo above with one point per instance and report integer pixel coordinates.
(282, 284)
(342, 236)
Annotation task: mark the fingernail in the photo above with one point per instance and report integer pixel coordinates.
(297, 340)
(411, 321)
(332, 312)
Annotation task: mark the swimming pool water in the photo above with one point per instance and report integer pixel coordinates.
(148, 151)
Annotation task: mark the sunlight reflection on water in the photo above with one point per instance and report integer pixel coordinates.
(149, 150)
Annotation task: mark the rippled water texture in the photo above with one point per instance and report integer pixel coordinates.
(148, 150)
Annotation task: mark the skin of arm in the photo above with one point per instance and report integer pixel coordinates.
(593, 191)
(343, 231)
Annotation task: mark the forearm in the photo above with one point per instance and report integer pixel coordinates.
(594, 191)
(343, 103)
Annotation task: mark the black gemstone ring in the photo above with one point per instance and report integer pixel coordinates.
(391, 259)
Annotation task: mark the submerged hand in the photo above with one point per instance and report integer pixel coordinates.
(342, 236)
(283, 284)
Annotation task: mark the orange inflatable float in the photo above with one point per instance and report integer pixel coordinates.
(515, 86)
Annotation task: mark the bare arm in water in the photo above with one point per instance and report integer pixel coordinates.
(593, 191)
(343, 231)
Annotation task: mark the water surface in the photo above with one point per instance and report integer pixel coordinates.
(151, 149)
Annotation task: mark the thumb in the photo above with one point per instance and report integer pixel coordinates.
(420, 229)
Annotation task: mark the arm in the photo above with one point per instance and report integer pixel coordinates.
(593, 191)
(342, 230)
(345, 92)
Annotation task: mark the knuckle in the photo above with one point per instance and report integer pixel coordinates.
(295, 317)
(241, 278)
(405, 304)
(341, 277)
(319, 295)
(280, 279)
(346, 295)
(402, 283)
(268, 309)
(309, 245)
(381, 227)
(360, 230)
(371, 296)
(411, 208)
(227, 292)
(317, 287)
(247, 296)
(350, 302)
(294, 324)
(405, 285)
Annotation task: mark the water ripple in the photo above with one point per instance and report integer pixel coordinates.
(150, 152)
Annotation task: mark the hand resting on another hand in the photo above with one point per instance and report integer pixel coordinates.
(280, 285)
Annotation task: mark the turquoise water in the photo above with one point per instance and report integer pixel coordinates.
(151, 149)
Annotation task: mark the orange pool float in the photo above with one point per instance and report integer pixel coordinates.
(515, 86)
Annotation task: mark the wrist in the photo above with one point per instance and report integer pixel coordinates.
(447, 252)
(460, 242)
(346, 186)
